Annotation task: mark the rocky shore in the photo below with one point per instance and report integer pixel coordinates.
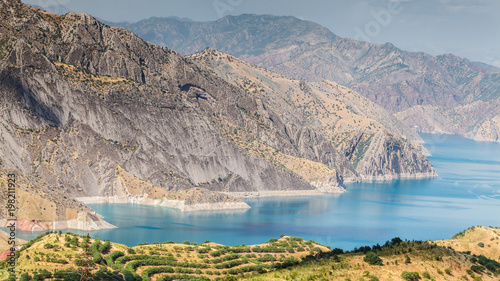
(84, 221)
(164, 202)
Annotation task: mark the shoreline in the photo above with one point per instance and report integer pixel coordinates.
(76, 224)
(163, 202)
(280, 193)
(463, 135)
(404, 176)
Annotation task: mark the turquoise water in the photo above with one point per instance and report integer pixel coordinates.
(466, 193)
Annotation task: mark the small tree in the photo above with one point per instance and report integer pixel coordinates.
(87, 265)
(410, 276)
(408, 260)
(373, 259)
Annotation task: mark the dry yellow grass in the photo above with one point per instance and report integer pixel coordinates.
(34, 207)
(469, 240)
(4, 241)
(136, 186)
(79, 75)
(439, 263)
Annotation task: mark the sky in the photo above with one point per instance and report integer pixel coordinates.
(467, 28)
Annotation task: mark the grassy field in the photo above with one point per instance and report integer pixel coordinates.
(63, 256)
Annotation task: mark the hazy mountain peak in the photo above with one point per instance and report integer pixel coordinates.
(231, 34)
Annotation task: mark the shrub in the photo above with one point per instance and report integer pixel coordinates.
(104, 248)
(62, 261)
(74, 241)
(477, 268)
(25, 277)
(426, 275)
(373, 259)
(396, 241)
(410, 276)
(448, 271)
(407, 260)
(131, 251)
(471, 273)
(480, 244)
(110, 259)
(96, 257)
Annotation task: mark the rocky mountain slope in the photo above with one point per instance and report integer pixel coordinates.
(96, 113)
(393, 78)
(376, 144)
(478, 120)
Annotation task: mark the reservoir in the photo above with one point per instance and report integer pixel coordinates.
(466, 193)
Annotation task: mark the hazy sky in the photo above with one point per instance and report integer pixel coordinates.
(468, 28)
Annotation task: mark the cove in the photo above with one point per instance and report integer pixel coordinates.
(466, 193)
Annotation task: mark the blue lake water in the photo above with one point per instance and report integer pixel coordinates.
(466, 193)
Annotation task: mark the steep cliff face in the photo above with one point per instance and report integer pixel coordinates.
(383, 156)
(376, 144)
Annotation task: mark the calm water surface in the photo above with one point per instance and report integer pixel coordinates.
(466, 193)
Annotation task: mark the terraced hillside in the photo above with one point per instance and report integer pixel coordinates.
(63, 256)
(59, 256)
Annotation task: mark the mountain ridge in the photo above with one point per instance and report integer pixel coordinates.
(393, 78)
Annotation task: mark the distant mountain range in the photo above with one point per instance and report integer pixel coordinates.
(439, 87)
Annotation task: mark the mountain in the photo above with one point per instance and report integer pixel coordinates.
(393, 78)
(376, 145)
(264, 33)
(478, 120)
(91, 113)
(486, 67)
